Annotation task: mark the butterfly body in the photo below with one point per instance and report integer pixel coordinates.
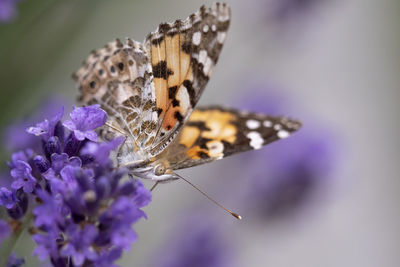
(150, 91)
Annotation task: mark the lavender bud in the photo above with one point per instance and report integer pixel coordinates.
(103, 188)
(72, 145)
(21, 206)
(41, 163)
(53, 146)
(59, 132)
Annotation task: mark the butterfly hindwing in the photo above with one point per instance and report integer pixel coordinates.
(118, 77)
(183, 55)
(213, 133)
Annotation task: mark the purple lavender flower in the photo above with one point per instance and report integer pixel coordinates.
(51, 212)
(5, 230)
(121, 233)
(47, 246)
(107, 258)
(7, 198)
(84, 120)
(79, 246)
(83, 210)
(23, 178)
(101, 151)
(58, 162)
(46, 128)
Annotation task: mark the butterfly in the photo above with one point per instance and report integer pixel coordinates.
(150, 91)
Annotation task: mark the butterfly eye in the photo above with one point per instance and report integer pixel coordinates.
(159, 169)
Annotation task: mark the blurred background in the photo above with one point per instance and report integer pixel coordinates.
(327, 196)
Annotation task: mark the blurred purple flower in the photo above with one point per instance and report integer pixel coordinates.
(5, 230)
(289, 172)
(197, 243)
(107, 258)
(47, 246)
(49, 214)
(14, 261)
(7, 198)
(8, 10)
(287, 10)
(84, 120)
(285, 174)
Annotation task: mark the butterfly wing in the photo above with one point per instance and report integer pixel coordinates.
(212, 133)
(118, 77)
(182, 56)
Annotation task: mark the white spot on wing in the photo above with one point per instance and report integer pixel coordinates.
(206, 28)
(196, 38)
(221, 37)
(277, 127)
(213, 27)
(252, 124)
(256, 140)
(202, 56)
(207, 66)
(183, 97)
(267, 123)
(216, 148)
(283, 134)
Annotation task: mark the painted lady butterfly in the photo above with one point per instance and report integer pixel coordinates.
(150, 89)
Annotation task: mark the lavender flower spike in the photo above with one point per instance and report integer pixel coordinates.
(84, 120)
(83, 210)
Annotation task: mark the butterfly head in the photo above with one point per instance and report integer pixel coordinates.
(157, 171)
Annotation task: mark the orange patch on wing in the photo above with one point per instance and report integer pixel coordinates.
(177, 60)
(169, 119)
(194, 152)
(157, 53)
(219, 123)
(161, 89)
(189, 136)
(173, 59)
(220, 128)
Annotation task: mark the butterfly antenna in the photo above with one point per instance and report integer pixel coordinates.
(237, 216)
(154, 186)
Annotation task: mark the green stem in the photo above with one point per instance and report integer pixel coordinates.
(10, 244)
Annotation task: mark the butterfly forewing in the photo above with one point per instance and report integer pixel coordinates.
(183, 55)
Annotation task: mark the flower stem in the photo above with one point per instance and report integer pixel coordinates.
(10, 244)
